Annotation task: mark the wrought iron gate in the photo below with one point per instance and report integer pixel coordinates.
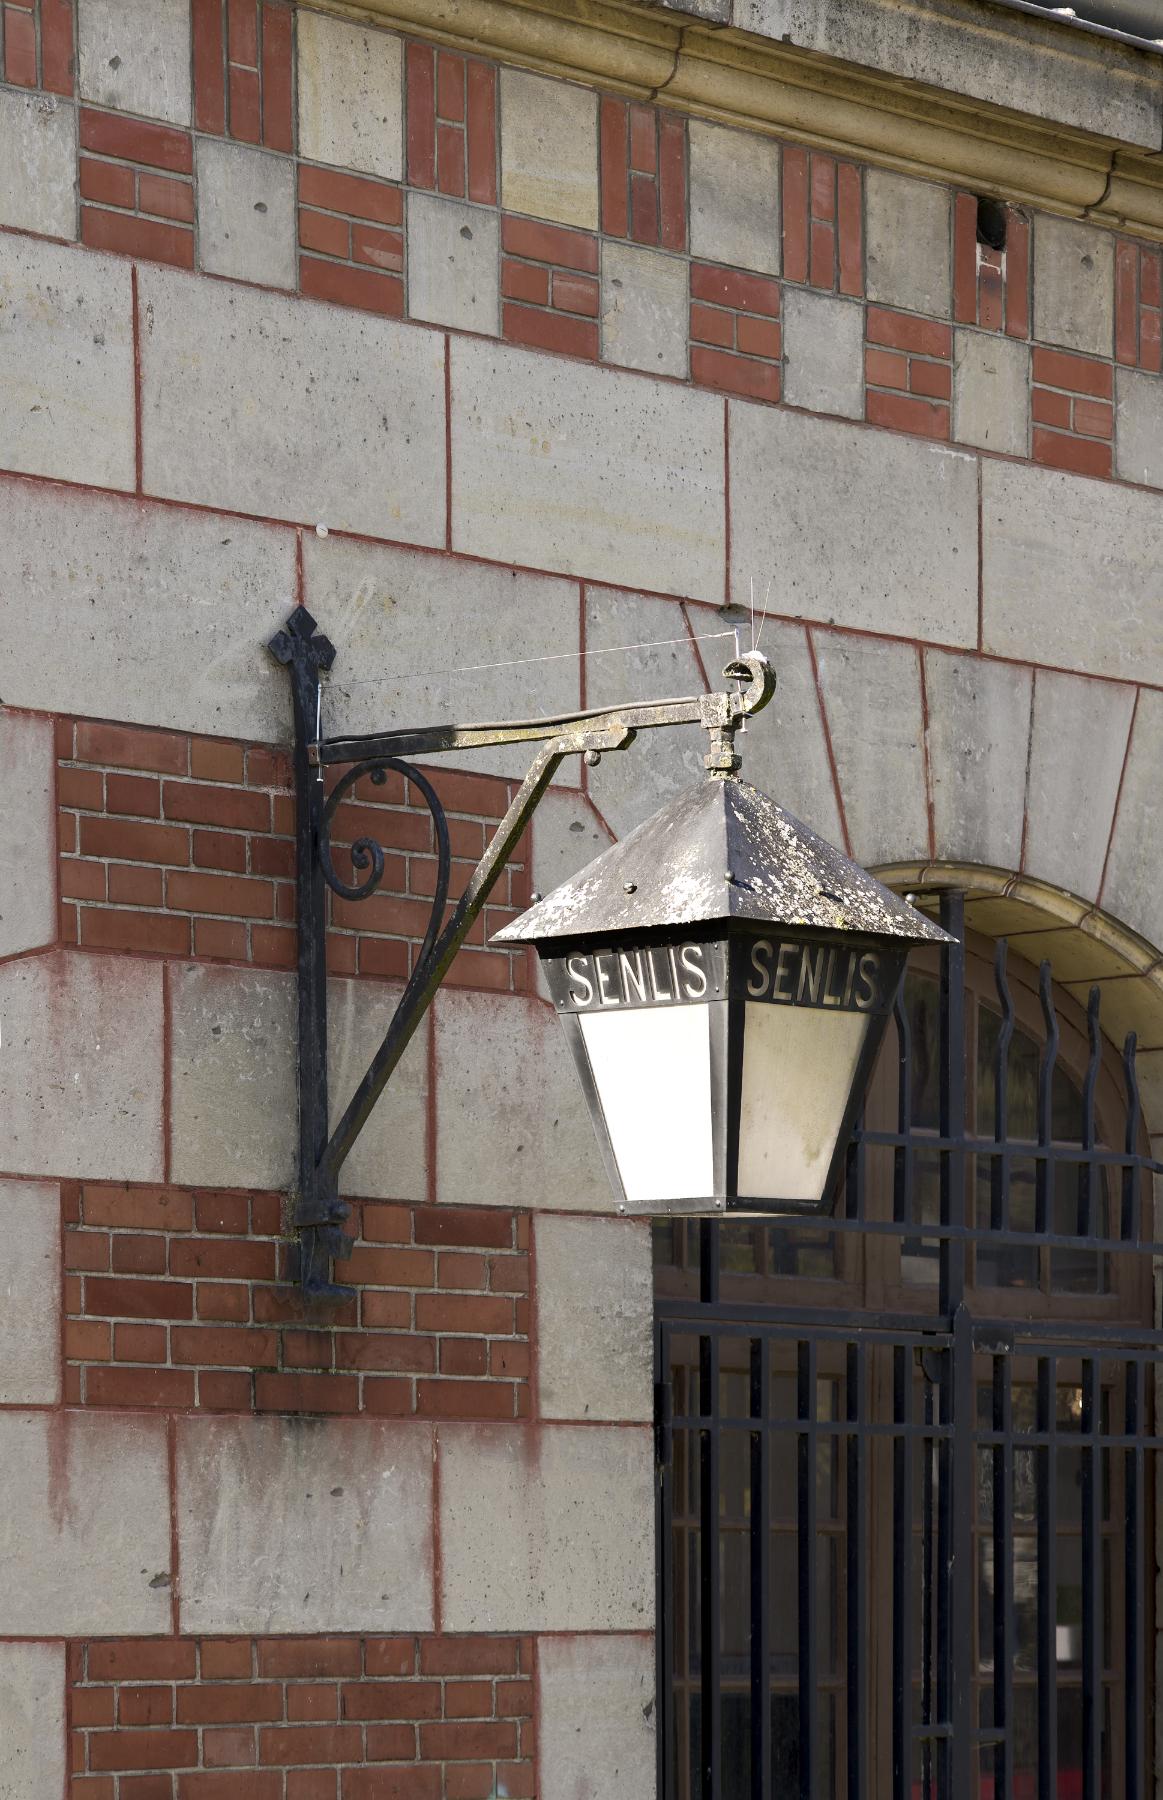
(907, 1546)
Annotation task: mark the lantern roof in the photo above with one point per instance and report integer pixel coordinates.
(721, 851)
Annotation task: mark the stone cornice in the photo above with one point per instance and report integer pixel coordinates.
(746, 80)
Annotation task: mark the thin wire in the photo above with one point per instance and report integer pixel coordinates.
(763, 616)
(515, 662)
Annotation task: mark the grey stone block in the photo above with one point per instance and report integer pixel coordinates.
(586, 1680)
(595, 1308)
(1072, 572)
(256, 1496)
(872, 692)
(1139, 427)
(549, 149)
(991, 392)
(734, 197)
(628, 785)
(232, 1083)
(38, 164)
(594, 472)
(32, 1720)
(823, 353)
(506, 1080)
(66, 363)
(1077, 744)
(454, 262)
(134, 56)
(1132, 892)
(567, 834)
(351, 96)
(908, 243)
(80, 1066)
(644, 309)
(148, 614)
(863, 528)
(85, 1528)
(291, 409)
(30, 1294)
(979, 734)
(385, 609)
(546, 1529)
(28, 847)
(784, 750)
(246, 213)
(1074, 285)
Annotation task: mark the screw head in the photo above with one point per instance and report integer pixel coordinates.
(592, 758)
(629, 887)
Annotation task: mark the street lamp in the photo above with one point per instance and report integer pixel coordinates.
(724, 978)
(723, 974)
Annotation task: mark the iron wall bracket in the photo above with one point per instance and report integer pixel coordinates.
(319, 1213)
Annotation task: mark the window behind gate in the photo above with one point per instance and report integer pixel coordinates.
(906, 1482)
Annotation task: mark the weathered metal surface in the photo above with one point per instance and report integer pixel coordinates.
(721, 851)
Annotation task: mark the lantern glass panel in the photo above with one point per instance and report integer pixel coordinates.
(799, 1065)
(652, 1070)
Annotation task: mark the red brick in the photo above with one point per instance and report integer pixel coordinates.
(248, 1784)
(381, 249)
(307, 1350)
(519, 1780)
(850, 230)
(220, 1391)
(209, 72)
(483, 1314)
(575, 294)
(157, 146)
(245, 116)
(312, 1784)
(222, 1212)
(400, 1353)
(468, 1700)
(115, 1386)
(757, 337)
(464, 1400)
(471, 1781)
(823, 186)
(363, 288)
(308, 1658)
(463, 1356)
(1079, 374)
(277, 58)
(145, 1787)
(421, 91)
(735, 374)
(1017, 275)
(310, 1744)
(227, 1302)
(324, 232)
(515, 1699)
(132, 885)
(615, 164)
(130, 236)
(145, 1705)
(556, 244)
(728, 287)
(412, 1783)
(237, 809)
(93, 1706)
(391, 1700)
(460, 1742)
(226, 1659)
(1048, 407)
(450, 167)
(242, 33)
(229, 1747)
(644, 209)
(481, 133)
(133, 840)
(965, 259)
(386, 1224)
(224, 850)
(550, 331)
(232, 895)
(81, 787)
(129, 747)
(525, 281)
(459, 1270)
(88, 1340)
(84, 880)
(904, 331)
(353, 195)
(901, 412)
(272, 856)
(111, 184)
(509, 1275)
(272, 948)
(822, 254)
(136, 1255)
(159, 933)
(386, 1312)
(223, 1347)
(143, 1659)
(1127, 303)
(310, 1702)
(137, 1208)
(933, 379)
(391, 1267)
(990, 295)
(389, 1656)
(298, 1393)
(1151, 342)
(1150, 277)
(1082, 456)
(509, 1361)
(1094, 418)
(143, 1750)
(139, 1299)
(464, 1227)
(389, 1397)
(56, 46)
(235, 1703)
(224, 1257)
(795, 213)
(165, 197)
(139, 1343)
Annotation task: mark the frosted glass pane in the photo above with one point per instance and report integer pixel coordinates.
(652, 1066)
(798, 1066)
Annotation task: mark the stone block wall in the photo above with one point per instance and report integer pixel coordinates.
(529, 391)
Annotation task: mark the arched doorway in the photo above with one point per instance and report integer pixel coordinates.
(924, 1428)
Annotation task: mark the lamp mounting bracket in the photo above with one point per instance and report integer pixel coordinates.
(320, 1214)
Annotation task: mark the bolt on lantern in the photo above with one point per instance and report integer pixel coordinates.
(724, 977)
